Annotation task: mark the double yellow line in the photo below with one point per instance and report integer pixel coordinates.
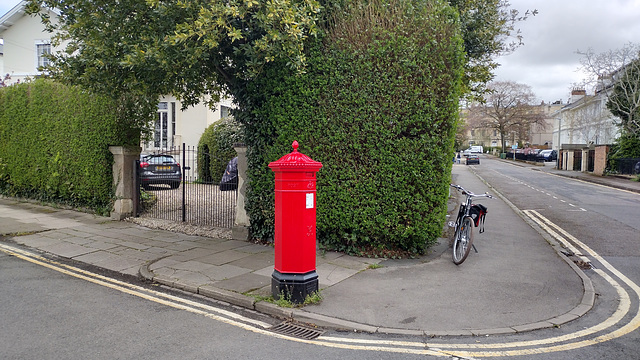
(575, 340)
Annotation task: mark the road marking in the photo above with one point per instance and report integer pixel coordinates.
(131, 289)
(538, 190)
(569, 341)
(533, 215)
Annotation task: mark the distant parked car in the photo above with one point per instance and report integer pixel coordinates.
(473, 159)
(473, 149)
(160, 169)
(547, 155)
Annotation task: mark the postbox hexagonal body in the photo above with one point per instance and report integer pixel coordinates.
(295, 226)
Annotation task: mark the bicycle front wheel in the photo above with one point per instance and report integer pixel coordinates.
(463, 241)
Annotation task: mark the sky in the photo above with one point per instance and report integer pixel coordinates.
(548, 61)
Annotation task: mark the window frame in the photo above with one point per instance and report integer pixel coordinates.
(41, 60)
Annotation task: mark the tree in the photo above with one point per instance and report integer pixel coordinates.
(186, 48)
(489, 30)
(624, 101)
(392, 89)
(508, 107)
(195, 48)
(618, 73)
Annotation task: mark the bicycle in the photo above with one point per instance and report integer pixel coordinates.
(463, 235)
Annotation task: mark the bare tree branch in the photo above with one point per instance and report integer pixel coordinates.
(508, 107)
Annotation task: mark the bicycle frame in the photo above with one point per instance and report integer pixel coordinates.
(463, 234)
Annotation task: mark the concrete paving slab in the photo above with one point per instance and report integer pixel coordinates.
(256, 261)
(121, 264)
(329, 274)
(67, 250)
(223, 272)
(223, 257)
(192, 265)
(255, 249)
(96, 257)
(244, 283)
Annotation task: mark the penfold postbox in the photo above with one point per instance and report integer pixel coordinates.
(294, 272)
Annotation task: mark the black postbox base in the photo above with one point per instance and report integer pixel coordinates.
(295, 287)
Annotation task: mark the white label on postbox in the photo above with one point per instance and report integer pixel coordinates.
(309, 200)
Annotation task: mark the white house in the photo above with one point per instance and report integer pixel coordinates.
(585, 120)
(25, 44)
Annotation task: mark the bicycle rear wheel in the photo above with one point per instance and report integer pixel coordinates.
(463, 241)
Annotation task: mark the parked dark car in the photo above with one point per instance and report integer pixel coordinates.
(160, 169)
(473, 159)
(547, 155)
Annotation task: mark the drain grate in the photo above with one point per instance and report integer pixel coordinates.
(297, 331)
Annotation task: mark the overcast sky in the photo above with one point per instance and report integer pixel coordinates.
(548, 61)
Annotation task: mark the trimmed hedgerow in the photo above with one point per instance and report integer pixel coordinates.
(54, 144)
(378, 107)
(215, 148)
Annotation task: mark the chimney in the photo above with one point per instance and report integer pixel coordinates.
(577, 94)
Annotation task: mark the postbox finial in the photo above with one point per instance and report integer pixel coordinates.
(295, 145)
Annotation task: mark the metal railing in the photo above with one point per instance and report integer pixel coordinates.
(625, 166)
(198, 200)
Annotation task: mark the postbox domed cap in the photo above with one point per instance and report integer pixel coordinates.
(295, 161)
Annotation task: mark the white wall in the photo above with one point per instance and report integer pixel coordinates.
(20, 59)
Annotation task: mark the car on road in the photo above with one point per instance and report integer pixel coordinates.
(547, 155)
(159, 169)
(474, 149)
(473, 159)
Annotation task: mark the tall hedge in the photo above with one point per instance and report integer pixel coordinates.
(378, 107)
(54, 144)
(215, 148)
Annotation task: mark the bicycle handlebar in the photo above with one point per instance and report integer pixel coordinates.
(469, 193)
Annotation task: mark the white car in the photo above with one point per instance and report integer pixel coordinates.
(473, 149)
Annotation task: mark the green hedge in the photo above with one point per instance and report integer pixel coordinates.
(378, 107)
(215, 148)
(54, 143)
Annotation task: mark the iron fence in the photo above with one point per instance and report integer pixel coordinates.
(626, 166)
(199, 199)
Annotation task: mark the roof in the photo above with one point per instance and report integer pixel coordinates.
(7, 20)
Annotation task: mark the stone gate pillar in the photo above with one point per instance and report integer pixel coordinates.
(240, 229)
(123, 179)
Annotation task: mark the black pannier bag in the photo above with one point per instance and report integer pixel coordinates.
(478, 213)
(229, 179)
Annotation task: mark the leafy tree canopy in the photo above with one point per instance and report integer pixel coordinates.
(187, 48)
(489, 30)
(198, 47)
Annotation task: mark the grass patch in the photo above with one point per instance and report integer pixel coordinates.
(285, 300)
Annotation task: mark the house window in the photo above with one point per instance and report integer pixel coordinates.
(224, 111)
(161, 130)
(42, 50)
(173, 119)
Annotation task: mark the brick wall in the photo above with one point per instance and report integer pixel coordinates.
(601, 159)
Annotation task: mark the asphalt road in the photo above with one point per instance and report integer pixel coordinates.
(51, 315)
(72, 315)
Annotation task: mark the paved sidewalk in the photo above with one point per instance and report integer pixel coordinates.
(515, 283)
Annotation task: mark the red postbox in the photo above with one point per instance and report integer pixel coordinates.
(294, 271)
